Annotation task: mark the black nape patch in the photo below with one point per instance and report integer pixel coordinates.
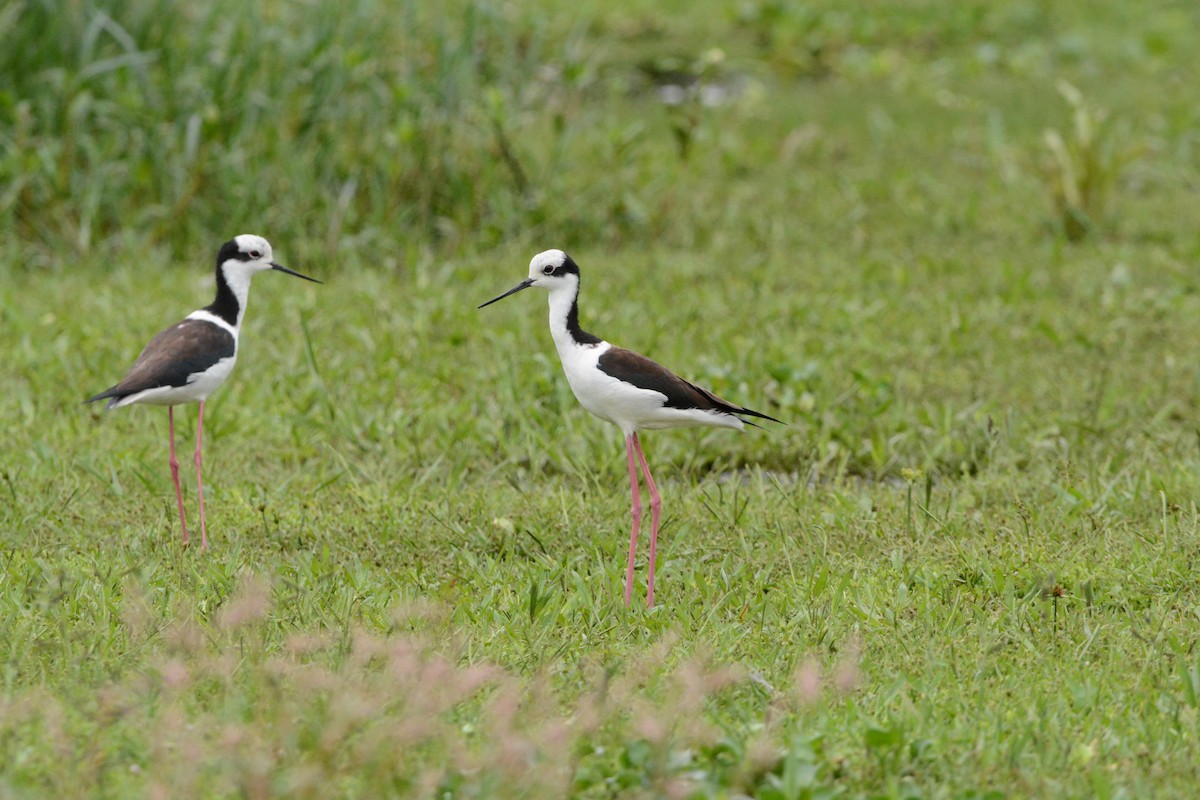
(230, 250)
(577, 333)
(225, 305)
(568, 267)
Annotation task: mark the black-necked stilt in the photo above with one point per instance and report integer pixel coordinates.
(624, 388)
(189, 360)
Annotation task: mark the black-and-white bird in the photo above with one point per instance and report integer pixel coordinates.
(189, 360)
(624, 388)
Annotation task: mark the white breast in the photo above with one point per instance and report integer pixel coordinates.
(626, 406)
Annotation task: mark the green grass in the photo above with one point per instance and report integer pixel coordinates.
(964, 569)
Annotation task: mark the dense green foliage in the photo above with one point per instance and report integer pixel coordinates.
(953, 245)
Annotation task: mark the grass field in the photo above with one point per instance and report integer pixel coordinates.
(954, 246)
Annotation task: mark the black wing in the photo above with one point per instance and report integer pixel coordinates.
(172, 357)
(636, 369)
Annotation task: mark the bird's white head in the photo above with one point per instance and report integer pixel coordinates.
(552, 270)
(246, 255)
(238, 261)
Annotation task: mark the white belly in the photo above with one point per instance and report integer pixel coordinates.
(199, 386)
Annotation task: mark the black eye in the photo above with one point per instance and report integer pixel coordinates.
(255, 254)
(547, 269)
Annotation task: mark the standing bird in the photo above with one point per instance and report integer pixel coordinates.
(189, 360)
(624, 388)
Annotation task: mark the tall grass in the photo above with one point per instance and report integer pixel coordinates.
(346, 128)
(348, 124)
(342, 127)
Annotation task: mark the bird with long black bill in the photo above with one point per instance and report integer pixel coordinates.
(186, 362)
(624, 388)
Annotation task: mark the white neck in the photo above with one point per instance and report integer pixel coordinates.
(561, 300)
(238, 281)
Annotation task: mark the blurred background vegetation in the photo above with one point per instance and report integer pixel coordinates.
(372, 131)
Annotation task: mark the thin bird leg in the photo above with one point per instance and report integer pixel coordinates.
(200, 480)
(655, 506)
(637, 515)
(175, 474)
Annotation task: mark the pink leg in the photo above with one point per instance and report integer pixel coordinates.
(630, 441)
(175, 474)
(200, 480)
(655, 506)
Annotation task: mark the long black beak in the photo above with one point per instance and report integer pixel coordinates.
(282, 268)
(525, 284)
